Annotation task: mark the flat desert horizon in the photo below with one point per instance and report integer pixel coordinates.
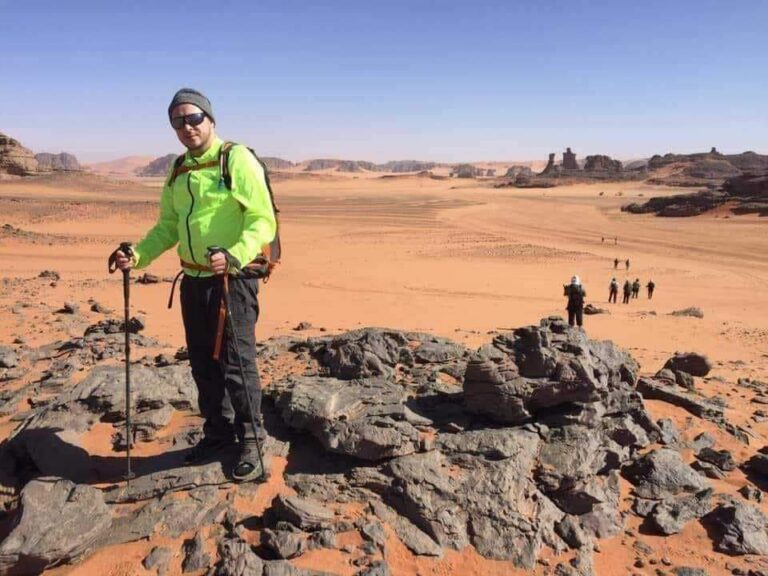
(453, 258)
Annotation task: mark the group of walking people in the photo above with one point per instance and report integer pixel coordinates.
(577, 295)
(631, 290)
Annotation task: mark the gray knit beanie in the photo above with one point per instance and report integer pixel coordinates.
(190, 96)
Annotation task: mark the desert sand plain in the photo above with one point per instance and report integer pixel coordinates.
(455, 258)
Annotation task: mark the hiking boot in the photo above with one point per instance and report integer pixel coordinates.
(249, 465)
(207, 448)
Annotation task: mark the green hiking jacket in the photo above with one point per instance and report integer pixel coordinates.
(198, 211)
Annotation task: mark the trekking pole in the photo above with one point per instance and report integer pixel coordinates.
(125, 248)
(230, 324)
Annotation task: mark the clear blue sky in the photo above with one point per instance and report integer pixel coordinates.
(373, 80)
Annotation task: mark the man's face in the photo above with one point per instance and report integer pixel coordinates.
(195, 138)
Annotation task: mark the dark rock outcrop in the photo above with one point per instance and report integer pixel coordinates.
(515, 171)
(466, 171)
(601, 163)
(689, 362)
(542, 368)
(569, 160)
(57, 162)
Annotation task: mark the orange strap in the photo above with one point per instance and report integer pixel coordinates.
(184, 169)
(222, 317)
(222, 307)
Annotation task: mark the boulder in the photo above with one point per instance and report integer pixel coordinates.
(591, 309)
(662, 473)
(691, 312)
(739, 529)
(689, 362)
(284, 543)
(59, 522)
(366, 418)
(236, 558)
(695, 404)
(540, 368)
(195, 556)
(302, 513)
(672, 514)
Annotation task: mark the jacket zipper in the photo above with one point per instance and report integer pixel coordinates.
(189, 215)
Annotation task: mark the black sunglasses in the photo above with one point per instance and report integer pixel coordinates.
(192, 119)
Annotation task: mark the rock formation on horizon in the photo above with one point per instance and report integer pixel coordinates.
(274, 163)
(15, 159)
(569, 160)
(515, 171)
(704, 168)
(158, 166)
(747, 194)
(63, 162)
(601, 163)
(466, 171)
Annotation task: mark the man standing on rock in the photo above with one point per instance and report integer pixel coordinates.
(615, 263)
(636, 288)
(613, 291)
(576, 294)
(651, 287)
(197, 211)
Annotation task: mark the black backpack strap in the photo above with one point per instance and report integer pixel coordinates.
(177, 164)
(273, 251)
(225, 177)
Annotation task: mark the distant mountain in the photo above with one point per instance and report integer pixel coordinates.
(394, 166)
(406, 166)
(274, 163)
(321, 164)
(57, 162)
(158, 166)
(126, 166)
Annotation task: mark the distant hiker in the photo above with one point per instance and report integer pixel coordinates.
(576, 294)
(615, 263)
(199, 210)
(626, 263)
(627, 292)
(613, 290)
(602, 239)
(636, 288)
(651, 287)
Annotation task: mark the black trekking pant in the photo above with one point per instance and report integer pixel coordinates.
(612, 296)
(576, 316)
(221, 391)
(626, 298)
(650, 294)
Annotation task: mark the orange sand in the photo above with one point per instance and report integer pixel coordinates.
(454, 258)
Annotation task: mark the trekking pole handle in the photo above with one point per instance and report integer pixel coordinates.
(125, 248)
(214, 250)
